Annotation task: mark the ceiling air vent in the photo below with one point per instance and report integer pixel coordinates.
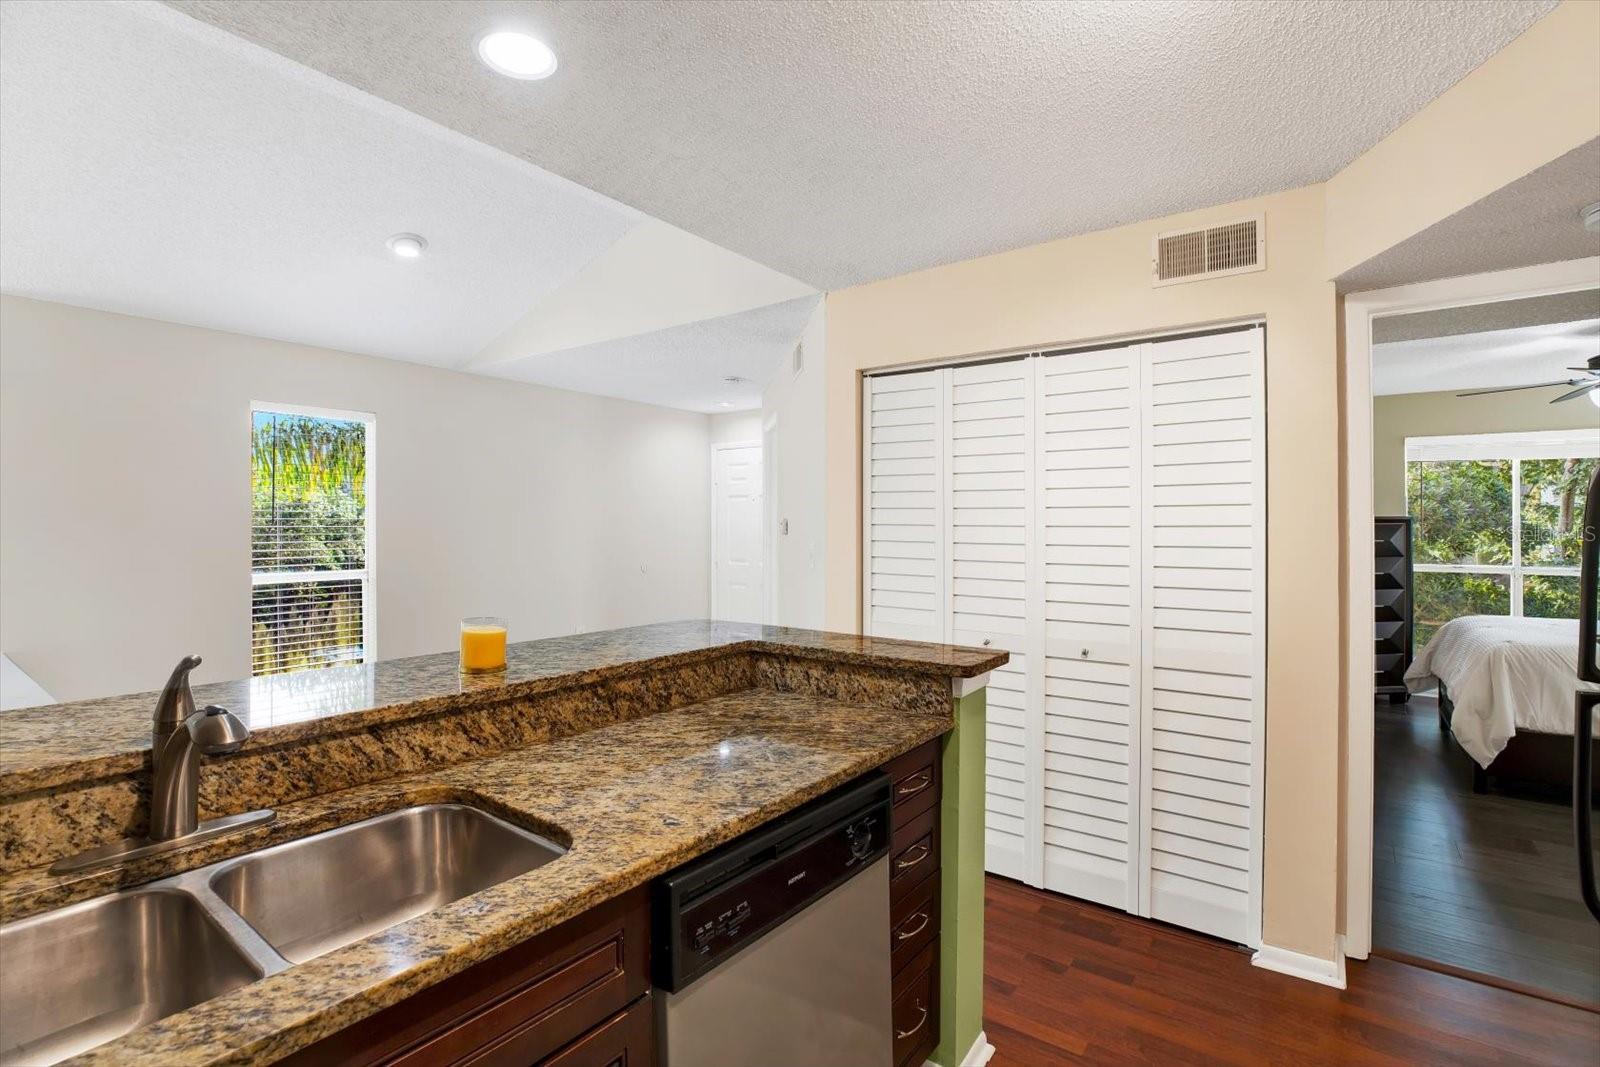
(1231, 248)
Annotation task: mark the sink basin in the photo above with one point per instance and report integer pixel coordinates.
(78, 977)
(311, 896)
(75, 978)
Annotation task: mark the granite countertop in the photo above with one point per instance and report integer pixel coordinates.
(635, 799)
(43, 747)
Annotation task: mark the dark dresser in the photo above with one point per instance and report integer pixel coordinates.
(1391, 605)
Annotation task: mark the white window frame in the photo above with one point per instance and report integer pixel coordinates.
(1502, 447)
(366, 575)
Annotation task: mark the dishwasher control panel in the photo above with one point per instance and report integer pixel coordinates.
(711, 907)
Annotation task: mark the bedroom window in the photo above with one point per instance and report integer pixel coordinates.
(1496, 524)
(311, 538)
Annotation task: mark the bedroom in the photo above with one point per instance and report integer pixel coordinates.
(1484, 444)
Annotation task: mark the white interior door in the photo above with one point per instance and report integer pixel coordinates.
(738, 585)
(903, 510)
(1089, 518)
(1204, 621)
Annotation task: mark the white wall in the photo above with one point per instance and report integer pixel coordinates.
(736, 428)
(794, 407)
(125, 498)
(654, 277)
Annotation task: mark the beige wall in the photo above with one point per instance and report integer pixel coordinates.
(1098, 286)
(1394, 418)
(125, 498)
(1536, 99)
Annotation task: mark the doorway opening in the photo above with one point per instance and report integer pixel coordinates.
(1471, 443)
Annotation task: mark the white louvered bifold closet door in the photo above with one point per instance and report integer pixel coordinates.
(904, 545)
(990, 459)
(1204, 624)
(1088, 515)
(1099, 514)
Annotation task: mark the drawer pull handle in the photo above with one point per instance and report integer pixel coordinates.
(901, 1035)
(902, 935)
(906, 789)
(901, 865)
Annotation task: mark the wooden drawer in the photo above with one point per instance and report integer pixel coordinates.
(627, 1039)
(916, 1009)
(915, 782)
(913, 923)
(913, 853)
(514, 1008)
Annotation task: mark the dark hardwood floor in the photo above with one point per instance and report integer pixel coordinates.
(1485, 883)
(1070, 982)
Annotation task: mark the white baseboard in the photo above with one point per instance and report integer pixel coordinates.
(1299, 965)
(976, 1056)
(979, 1053)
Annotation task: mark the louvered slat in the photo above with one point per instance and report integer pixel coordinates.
(1203, 619)
(904, 543)
(1088, 448)
(990, 471)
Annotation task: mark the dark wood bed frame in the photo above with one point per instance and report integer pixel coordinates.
(1540, 762)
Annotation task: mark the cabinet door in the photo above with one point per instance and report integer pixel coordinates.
(627, 1039)
(1088, 514)
(991, 475)
(903, 522)
(1204, 622)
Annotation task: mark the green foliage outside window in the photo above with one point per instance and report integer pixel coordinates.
(1463, 512)
(308, 502)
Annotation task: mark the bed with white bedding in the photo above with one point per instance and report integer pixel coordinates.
(1500, 679)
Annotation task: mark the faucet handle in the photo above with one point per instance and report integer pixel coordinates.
(216, 730)
(176, 702)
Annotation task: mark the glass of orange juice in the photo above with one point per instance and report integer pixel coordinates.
(483, 644)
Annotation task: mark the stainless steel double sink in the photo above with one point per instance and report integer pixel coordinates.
(80, 976)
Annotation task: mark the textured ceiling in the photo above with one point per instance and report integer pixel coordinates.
(1533, 220)
(683, 366)
(1518, 356)
(845, 141)
(1483, 318)
(156, 166)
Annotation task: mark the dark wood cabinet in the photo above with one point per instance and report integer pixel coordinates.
(914, 902)
(1392, 605)
(573, 995)
(627, 1039)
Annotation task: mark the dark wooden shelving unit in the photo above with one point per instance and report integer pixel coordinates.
(1392, 605)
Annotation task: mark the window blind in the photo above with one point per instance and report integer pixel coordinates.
(309, 541)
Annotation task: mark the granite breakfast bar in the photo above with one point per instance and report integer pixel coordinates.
(635, 749)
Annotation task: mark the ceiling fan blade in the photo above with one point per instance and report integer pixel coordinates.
(1514, 388)
(1579, 391)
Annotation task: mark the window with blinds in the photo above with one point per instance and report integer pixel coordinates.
(310, 539)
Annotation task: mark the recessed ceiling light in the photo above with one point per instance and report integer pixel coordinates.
(407, 245)
(724, 403)
(517, 55)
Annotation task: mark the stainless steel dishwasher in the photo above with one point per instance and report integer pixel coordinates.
(774, 949)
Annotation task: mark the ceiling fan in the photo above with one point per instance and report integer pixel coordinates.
(1588, 382)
